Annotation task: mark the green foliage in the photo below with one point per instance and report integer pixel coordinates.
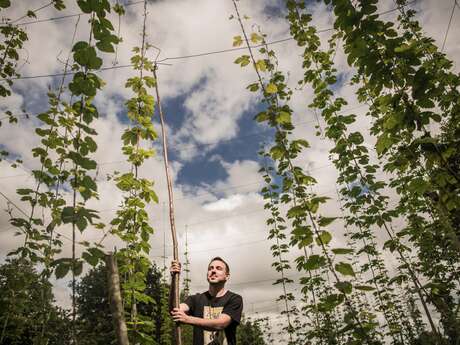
(10, 46)
(131, 223)
(96, 328)
(303, 205)
(66, 140)
(413, 99)
(410, 87)
(249, 332)
(5, 3)
(26, 299)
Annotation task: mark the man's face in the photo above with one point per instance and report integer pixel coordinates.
(217, 272)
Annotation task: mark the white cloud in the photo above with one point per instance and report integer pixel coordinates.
(223, 218)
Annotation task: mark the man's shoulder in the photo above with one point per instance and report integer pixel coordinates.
(234, 295)
(199, 295)
(229, 295)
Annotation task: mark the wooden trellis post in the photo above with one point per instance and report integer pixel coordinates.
(116, 305)
(176, 277)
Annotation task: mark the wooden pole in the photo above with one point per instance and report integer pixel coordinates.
(116, 305)
(176, 276)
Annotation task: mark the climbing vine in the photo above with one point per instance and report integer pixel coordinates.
(347, 293)
(67, 140)
(307, 226)
(131, 223)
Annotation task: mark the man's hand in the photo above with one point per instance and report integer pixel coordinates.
(179, 316)
(175, 267)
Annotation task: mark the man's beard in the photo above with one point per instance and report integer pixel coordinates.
(219, 282)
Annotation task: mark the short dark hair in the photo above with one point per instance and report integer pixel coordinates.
(227, 268)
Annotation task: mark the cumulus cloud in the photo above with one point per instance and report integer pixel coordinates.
(224, 217)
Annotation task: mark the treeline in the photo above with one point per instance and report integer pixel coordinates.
(26, 298)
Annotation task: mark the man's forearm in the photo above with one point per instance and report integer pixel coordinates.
(207, 324)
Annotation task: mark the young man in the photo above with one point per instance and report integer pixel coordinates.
(214, 314)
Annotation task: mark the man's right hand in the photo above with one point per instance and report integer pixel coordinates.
(175, 267)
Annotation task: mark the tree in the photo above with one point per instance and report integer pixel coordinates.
(94, 318)
(249, 332)
(95, 326)
(27, 312)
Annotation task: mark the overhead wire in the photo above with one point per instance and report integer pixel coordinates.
(448, 25)
(11, 202)
(141, 1)
(34, 11)
(255, 133)
(186, 56)
(211, 53)
(183, 57)
(130, 3)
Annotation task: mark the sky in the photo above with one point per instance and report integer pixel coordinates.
(213, 139)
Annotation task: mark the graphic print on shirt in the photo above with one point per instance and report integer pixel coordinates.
(213, 337)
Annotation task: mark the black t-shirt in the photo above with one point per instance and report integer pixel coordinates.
(208, 307)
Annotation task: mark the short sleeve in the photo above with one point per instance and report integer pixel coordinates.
(190, 301)
(234, 308)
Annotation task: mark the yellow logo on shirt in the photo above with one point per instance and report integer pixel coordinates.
(213, 337)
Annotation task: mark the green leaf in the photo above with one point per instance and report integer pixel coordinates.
(255, 38)
(331, 302)
(383, 143)
(61, 270)
(302, 236)
(119, 9)
(324, 238)
(253, 87)
(356, 138)
(283, 117)
(24, 191)
(261, 66)
(243, 60)
(277, 152)
(345, 269)
(85, 6)
(295, 211)
(342, 251)
(302, 142)
(402, 48)
(315, 262)
(81, 223)
(237, 41)
(271, 88)
(86, 56)
(344, 287)
(5, 3)
(105, 46)
(78, 267)
(89, 258)
(325, 221)
(89, 183)
(364, 287)
(262, 116)
(67, 214)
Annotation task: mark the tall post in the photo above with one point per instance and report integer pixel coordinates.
(175, 277)
(116, 305)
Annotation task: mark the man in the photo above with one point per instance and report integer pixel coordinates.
(214, 314)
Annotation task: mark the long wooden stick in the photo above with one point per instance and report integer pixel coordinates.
(175, 277)
(116, 305)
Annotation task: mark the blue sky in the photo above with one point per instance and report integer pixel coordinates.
(213, 138)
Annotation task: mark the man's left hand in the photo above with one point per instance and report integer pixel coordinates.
(179, 316)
